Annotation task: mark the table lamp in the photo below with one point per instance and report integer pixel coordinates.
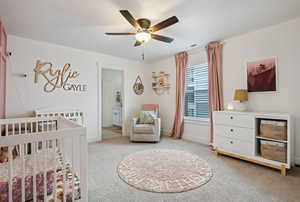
(240, 96)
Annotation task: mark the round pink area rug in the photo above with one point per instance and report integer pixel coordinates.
(164, 171)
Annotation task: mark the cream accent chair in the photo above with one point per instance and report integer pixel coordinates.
(146, 132)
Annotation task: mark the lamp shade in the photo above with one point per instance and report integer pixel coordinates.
(241, 95)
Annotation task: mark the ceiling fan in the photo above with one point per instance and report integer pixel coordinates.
(144, 30)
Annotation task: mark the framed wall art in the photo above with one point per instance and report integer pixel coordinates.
(262, 75)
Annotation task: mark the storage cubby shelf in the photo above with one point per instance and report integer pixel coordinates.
(268, 161)
(270, 139)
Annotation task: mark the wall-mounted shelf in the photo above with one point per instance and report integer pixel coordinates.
(160, 75)
(160, 83)
(161, 87)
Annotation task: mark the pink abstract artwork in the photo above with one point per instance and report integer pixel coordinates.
(261, 75)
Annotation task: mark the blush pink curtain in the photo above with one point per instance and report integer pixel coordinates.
(215, 82)
(181, 60)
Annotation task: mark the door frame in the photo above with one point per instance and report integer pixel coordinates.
(100, 93)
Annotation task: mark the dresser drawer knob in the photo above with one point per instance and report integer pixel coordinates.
(231, 130)
(231, 117)
(231, 142)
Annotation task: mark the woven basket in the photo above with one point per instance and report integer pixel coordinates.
(273, 129)
(273, 151)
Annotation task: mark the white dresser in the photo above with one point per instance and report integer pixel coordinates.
(236, 134)
(117, 116)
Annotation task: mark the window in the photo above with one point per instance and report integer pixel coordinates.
(196, 92)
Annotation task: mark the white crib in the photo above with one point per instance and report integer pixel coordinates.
(41, 147)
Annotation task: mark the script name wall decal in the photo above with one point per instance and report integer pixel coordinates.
(57, 78)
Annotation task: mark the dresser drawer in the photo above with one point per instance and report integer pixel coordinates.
(232, 119)
(234, 146)
(246, 134)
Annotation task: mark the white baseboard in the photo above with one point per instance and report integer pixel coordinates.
(186, 137)
(95, 139)
(297, 160)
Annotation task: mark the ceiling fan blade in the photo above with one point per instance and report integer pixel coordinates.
(166, 23)
(161, 38)
(126, 14)
(137, 43)
(126, 33)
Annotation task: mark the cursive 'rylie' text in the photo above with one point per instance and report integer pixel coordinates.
(55, 78)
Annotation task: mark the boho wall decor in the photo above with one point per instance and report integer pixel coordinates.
(57, 78)
(160, 83)
(138, 86)
(262, 75)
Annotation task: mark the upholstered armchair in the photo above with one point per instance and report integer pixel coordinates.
(141, 132)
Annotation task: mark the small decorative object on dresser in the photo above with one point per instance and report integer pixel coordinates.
(240, 97)
(263, 138)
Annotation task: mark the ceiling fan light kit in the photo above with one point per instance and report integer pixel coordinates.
(144, 30)
(143, 36)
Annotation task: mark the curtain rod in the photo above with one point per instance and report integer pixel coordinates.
(193, 50)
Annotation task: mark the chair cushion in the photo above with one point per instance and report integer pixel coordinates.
(144, 129)
(146, 117)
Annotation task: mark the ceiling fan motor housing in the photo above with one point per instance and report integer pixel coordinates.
(144, 23)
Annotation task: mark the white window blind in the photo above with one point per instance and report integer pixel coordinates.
(196, 92)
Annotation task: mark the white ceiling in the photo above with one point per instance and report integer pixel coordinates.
(81, 24)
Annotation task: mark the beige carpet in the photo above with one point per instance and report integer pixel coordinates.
(108, 134)
(233, 180)
(164, 170)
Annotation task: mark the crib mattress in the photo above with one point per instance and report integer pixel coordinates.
(47, 160)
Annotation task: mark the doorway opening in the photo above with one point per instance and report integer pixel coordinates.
(112, 103)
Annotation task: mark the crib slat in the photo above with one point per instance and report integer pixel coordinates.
(45, 152)
(33, 152)
(54, 174)
(63, 168)
(23, 171)
(71, 181)
(20, 129)
(43, 126)
(65, 187)
(26, 145)
(72, 169)
(10, 173)
(6, 130)
(31, 127)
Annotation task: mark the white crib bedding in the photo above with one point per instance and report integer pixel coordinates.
(46, 162)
